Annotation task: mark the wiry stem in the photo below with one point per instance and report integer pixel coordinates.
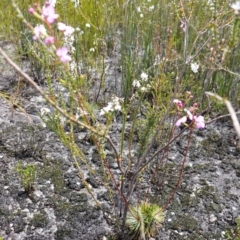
(181, 171)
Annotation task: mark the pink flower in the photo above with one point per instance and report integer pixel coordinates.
(199, 121)
(39, 31)
(61, 26)
(68, 30)
(49, 40)
(49, 13)
(181, 121)
(195, 105)
(178, 103)
(31, 10)
(62, 54)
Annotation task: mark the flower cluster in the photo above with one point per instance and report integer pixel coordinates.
(44, 111)
(112, 106)
(142, 84)
(191, 118)
(144, 9)
(48, 12)
(236, 7)
(48, 16)
(39, 32)
(194, 67)
(62, 53)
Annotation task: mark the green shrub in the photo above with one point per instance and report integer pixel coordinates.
(27, 176)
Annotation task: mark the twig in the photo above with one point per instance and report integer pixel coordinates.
(222, 116)
(232, 112)
(181, 171)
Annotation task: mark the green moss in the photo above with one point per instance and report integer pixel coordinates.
(185, 223)
(80, 207)
(199, 167)
(39, 220)
(63, 233)
(207, 146)
(53, 172)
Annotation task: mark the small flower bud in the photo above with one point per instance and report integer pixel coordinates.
(31, 10)
(49, 40)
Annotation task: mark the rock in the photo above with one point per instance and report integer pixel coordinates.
(212, 219)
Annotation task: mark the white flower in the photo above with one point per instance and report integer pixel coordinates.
(81, 112)
(144, 76)
(88, 25)
(143, 89)
(102, 112)
(92, 49)
(62, 120)
(116, 103)
(117, 107)
(136, 83)
(76, 3)
(77, 116)
(106, 109)
(148, 86)
(52, 2)
(194, 67)
(151, 8)
(236, 7)
(139, 9)
(112, 106)
(141, 15)
(44, 111)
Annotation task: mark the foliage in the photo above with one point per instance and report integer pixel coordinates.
(27, 175)
(203, 32)
(144, 218)
(234, 234)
